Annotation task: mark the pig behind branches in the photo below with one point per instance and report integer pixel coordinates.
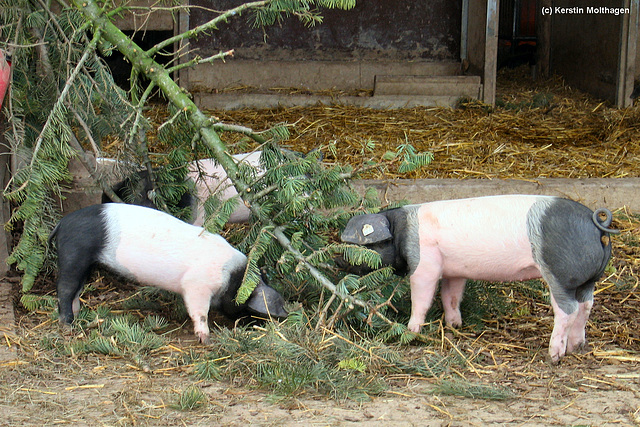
(498, 238)
(211, 178)
(156, 249)
(208, 178)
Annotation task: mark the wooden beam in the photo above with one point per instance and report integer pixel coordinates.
(543, 40)
(627, 55)
(491, 53)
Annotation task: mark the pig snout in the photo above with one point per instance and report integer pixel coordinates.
(449, 242)
(266, 301)
(156, 249)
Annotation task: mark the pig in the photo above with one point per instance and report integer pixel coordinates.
(209, 178)
(137, 189)
(495, 238)
(156, 249)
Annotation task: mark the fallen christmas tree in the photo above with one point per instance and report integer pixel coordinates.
(297, 204)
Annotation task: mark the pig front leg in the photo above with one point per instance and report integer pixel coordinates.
(424, 282)
(197, 304)
(451, 291)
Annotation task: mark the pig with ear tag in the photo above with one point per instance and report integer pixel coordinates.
(156, 249)
(496, 238)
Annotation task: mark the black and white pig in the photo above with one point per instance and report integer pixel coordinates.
(156, 249)
(496, 238)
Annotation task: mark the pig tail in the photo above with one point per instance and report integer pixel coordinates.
(603, 225)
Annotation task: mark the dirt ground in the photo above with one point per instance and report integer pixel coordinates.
(600, 387)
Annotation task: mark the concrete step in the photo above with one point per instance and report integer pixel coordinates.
(229, 101)
(454, 86)
(309, 75)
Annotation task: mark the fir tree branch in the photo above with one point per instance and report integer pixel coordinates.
(63, 95)
(136, 132)
(326, 283)
(90, 166)
(198, 60)
(208, 131)
(210, 25)
(159, 76)
(86, 129)
(240, 129)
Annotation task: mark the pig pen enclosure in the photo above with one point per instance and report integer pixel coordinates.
(149, 369)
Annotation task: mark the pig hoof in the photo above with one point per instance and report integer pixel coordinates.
(66, 328)
(582, 348)
(203, 338)
(455, 324)
(414, 328)
(553, 360)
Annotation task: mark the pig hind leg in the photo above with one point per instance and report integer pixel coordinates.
(568, 248)
(571, 308)
(451, 291)
(577, 335)
(564, 317)
(80, 238)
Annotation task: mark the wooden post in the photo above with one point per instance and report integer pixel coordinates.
(627, 55)
(5, 165)
(543, 40)
(491, 53)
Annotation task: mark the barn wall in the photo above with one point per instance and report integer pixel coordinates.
(376, 35)
(585, 46)
(373, 29)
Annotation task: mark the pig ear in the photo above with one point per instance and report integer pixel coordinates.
(367, 229)
(266, 301)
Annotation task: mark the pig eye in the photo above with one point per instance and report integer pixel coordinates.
(367, 229)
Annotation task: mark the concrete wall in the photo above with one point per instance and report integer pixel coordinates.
(377, 29)
(592, 192)
(345, 52)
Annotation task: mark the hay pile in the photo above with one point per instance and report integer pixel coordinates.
(538, 129)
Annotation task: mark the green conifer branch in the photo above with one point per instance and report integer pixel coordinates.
(63, 95)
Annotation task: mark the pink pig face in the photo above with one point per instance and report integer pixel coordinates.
(499, 238)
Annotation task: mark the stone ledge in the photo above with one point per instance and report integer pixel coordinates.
(612, 193)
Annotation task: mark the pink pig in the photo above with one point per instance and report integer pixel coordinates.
(211, 178)
(498, 238)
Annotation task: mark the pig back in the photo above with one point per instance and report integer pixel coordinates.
(211, 178)
(155, 248)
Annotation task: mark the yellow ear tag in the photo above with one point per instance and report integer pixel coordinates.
(367, 229)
